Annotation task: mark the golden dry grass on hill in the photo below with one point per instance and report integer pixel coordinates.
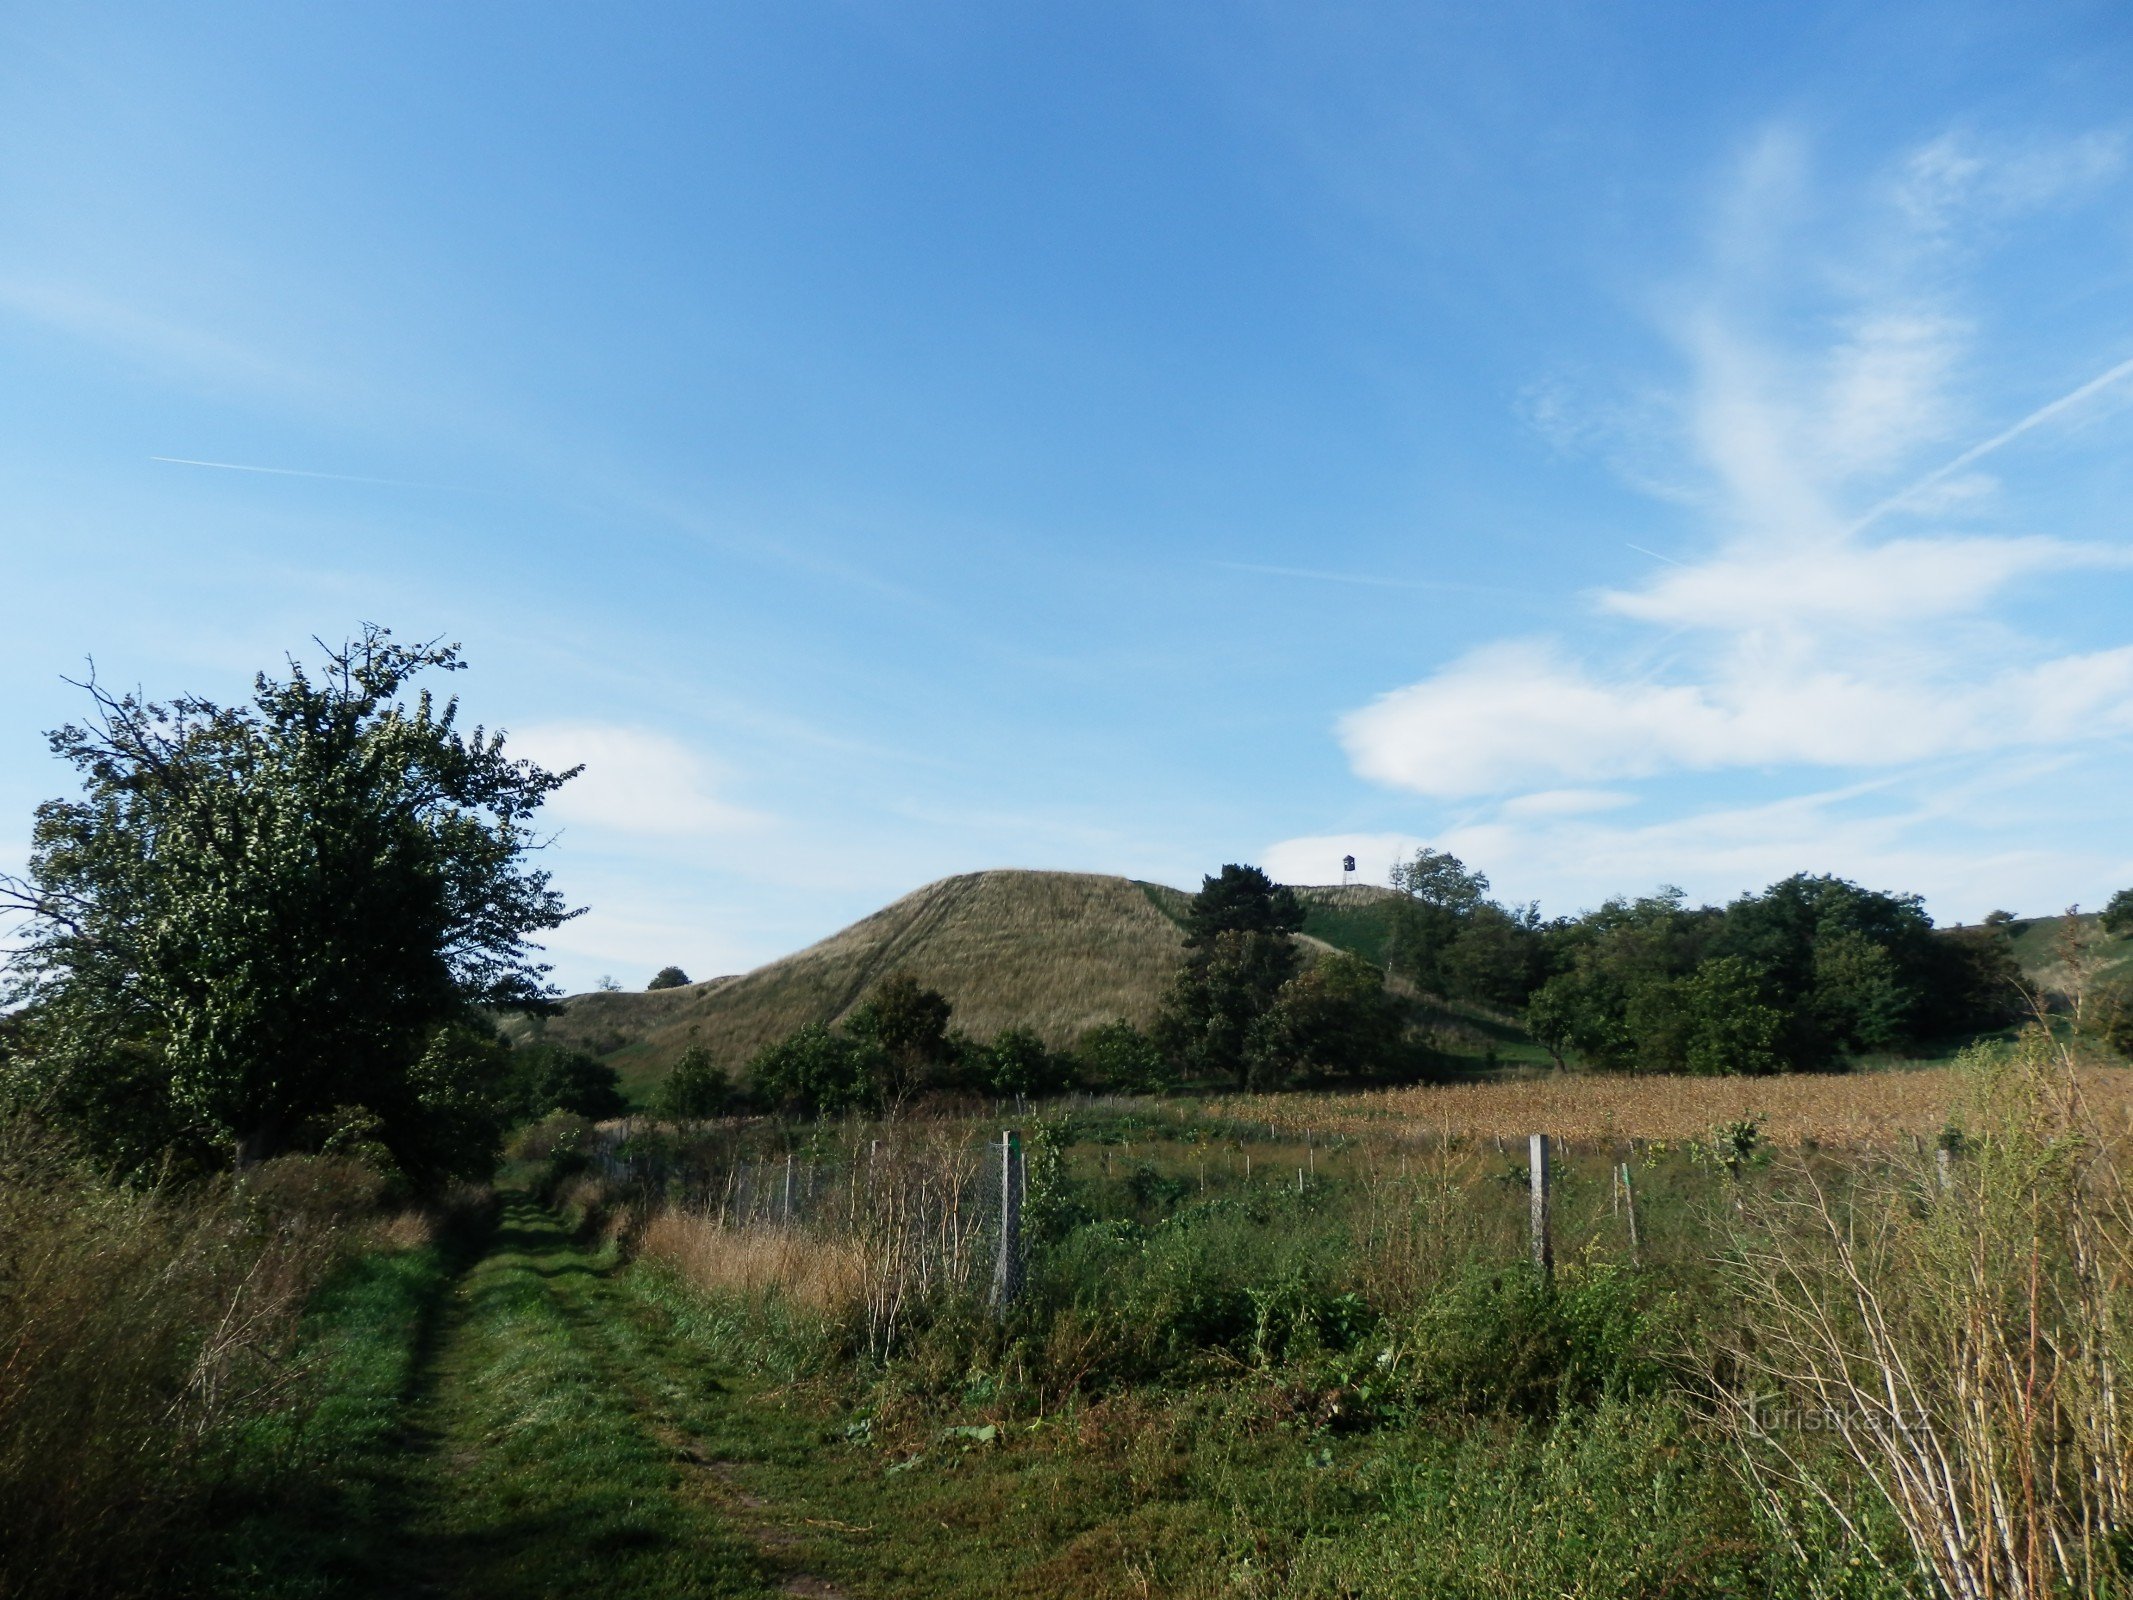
(1854, 1109)
(1058, 952)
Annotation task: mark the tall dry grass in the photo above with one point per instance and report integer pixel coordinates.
(1955, 1339)
(888, 1227)
(751, 1259)
(135, 1329)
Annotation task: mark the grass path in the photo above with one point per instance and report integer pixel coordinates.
(550, 1455)
(533, 1418)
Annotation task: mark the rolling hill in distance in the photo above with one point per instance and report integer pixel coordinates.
(1056, 952)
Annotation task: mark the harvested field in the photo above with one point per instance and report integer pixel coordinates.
(1856, 1109)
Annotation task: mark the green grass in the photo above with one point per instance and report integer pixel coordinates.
(478, 1433)
(1212, 1388)
(314, 1496)
(1361, 925)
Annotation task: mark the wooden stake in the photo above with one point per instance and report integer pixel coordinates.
(1629, 1206)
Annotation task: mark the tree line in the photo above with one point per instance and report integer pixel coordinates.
(1799, 977)
(287, 926)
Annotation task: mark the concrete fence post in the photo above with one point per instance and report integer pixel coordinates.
(1537, 1158)
(1007, 1272)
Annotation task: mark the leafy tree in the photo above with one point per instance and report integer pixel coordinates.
(907, 1023)
(1732, 1026)
(1794, 977)
(446, 1116)
(669, 978)
(1858, 995)
(1238, 955)
(1497, 956)
(1117, 1055)
(1209, 1023)
(818, 1072)
(1017, 1062)
(1578, 1013)
(696, 1088)
(2117, 913)
(1439, 878)
(1333, 1018)
(256, 914)
(1240, 900)
(1974, 982)
(1441, 899)
(552, 1078)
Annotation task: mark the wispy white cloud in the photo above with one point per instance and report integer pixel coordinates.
(1801, 639)
(1516, 714)
(1317, 859)
(636, 782)
(128, 330)
(1363, 580)
(297, 472)
(1724, 851)
(1566, 802)
(1915, 493)
(1844, 584)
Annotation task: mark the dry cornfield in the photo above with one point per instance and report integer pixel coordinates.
(1864, 1109)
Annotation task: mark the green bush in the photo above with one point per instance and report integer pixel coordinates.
(1018, 1062)
(697, 1088)
(1117, 1055)
(817, 1072)
(1507, 1340)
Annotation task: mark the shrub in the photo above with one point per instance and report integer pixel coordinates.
(669, 978)
(697, 1088)
(551, 1078)
(1117, 1055)
(821, 1073)
(1017, 1062)
(1333, 1018)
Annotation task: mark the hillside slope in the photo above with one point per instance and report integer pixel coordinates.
(1058, 952)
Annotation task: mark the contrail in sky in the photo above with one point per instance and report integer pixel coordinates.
(2035, 419)
(292, 472)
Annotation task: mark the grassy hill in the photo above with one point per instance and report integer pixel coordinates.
(1058, 952)
(2050, 948)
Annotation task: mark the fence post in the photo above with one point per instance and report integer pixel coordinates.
(1944, 1164)
(1537, 1175)
(1007, 1274)
(1629, 1201)
(788, 1186)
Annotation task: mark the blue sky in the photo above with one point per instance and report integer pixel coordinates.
(1624, 445)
